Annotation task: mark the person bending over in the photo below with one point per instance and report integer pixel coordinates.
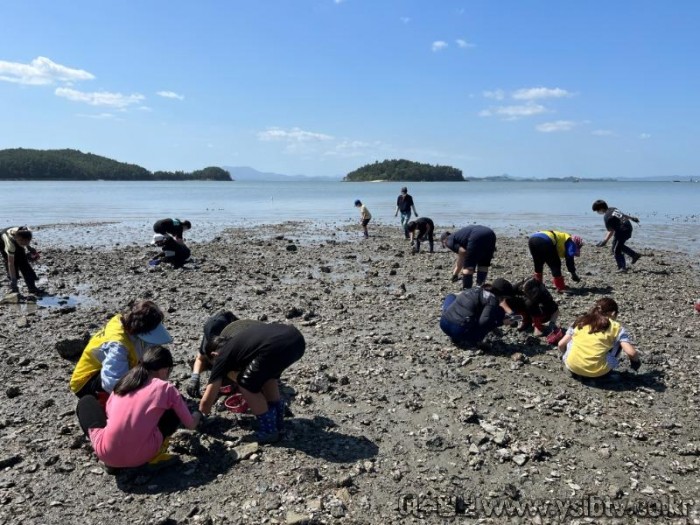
(254, 355)
(172, 251)
(549, 247)
(469, 316)
(212, 328)
(17, 254)
(592, 345)
(474, 246)
(420, 230)
(143, 413)
(117, 348)
(532, 300)
(173, 227)
(619, 226)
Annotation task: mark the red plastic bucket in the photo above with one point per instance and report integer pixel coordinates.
(236, 404)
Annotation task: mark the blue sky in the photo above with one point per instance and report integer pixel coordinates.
(320, 87)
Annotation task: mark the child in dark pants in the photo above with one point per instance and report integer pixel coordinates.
(550, 247)
(365, 216)
(420, 230)
(619, 226)
(254, 355)
(468, 317)
(144, 410)
(532, 300)
(173, 252)
(474, 246)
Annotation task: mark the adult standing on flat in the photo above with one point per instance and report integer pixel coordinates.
(404, 204)
(474, 246)
(173, 227)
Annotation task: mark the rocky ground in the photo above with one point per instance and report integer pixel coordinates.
(392, 423)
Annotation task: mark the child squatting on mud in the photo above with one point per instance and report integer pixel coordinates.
(142, 413)
(592, 345)
(254, 355)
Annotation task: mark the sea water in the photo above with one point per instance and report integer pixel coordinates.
(123, 212)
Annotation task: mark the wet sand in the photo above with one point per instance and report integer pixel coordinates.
(385, 406)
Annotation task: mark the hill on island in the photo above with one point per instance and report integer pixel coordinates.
(70, 164)
(404, 170)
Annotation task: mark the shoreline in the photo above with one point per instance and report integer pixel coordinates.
(384, 404)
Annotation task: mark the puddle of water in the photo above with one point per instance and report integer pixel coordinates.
(59, 302)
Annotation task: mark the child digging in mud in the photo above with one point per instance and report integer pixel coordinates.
(592, 345)
(254, 354)
(468, 317)
(143, 412)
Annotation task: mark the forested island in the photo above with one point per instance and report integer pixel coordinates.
(404, 170)
(70, 164)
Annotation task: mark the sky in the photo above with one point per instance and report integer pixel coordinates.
(593, 88)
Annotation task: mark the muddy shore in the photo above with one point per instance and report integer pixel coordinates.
(385, 408)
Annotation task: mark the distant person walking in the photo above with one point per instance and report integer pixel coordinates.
(173, 227)
(420, 230)
(365, 216)
(474, 246)
(404, 205)
(619, 226)
(17, 254)
(549, 247)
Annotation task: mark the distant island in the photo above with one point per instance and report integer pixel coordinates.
(70, 164)
(404, 170)
(246, 173)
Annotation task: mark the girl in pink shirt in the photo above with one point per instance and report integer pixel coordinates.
(144, 410)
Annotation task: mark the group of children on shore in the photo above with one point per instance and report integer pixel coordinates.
(128, 408)
(591, 347)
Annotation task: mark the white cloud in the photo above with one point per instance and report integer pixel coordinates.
(553, 127)
(540, 92)
(496, 94)
(40, 71)
(514, 112)
(438, 45)
(602, 132)
(463, 43)
(354, 148)
(98, 116)
(170, 94)
(405, 19)
(100, 98)
(645, 136)
(292, 135)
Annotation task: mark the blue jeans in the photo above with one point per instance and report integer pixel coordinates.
(405, 218)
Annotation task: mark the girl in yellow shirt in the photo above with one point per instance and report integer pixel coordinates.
(592, 345)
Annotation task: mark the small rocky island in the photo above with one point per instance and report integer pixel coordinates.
(404, 170)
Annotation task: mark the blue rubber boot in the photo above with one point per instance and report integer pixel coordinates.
(267, 428)
(279, 408)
